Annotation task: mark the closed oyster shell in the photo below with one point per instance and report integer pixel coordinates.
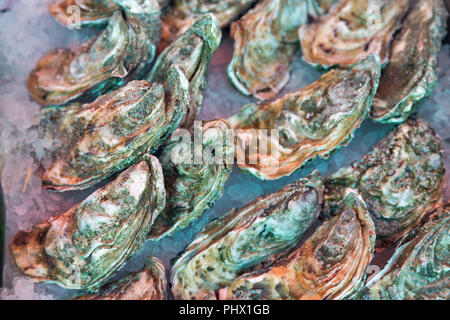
(265, 43)
(147, 284)
(419, 268)
(193, 187)
(192, 52)
(411, 73)
(122, 52)
(331, 264)
(401, 179)
(245, 238)
(82, 247)
(351, 31)
(310, 122)
(116, 130)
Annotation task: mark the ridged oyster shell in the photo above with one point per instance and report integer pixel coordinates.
(245, 238)
(193, 187)
(419, 268)
(311, 122)
(122, 52)
(116, 130)
(401, 179)
(192, 52)
(147, 284)
(331, 264)
(411, 73)
(82, 247)
(352, 30)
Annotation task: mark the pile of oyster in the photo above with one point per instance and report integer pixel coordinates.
(123, 102)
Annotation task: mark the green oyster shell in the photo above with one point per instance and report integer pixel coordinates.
(401, 179)
(411, 73)
(245, 238)
(193, 188)
(116, 130)
(147, 284)
(419, 268)
(122, 52)
(331, 264)
(310, 122)
(265, 43)
(82, 247)
(192, 52)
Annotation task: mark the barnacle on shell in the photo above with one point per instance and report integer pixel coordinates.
(351, 31)
(116, 130)
(122, 52)
(411, 73)
(82, 247)
(244, 239)
(331, 264)
(310, 122)
(401, 179)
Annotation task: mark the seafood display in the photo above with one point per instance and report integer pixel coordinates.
(400, 180)
(121, 52)
(331, 264)
(412, 70)
(84, 246)
(311, 122)
(352, 30)
(245, 238)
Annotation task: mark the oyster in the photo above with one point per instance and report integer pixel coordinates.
(310, 122)
(117, 129)
(147, 284)
(352, 30)
(193, 187)
(265, 43)
(419, 268)
(412, 71)
(331, 264)
(82, 247)
(122, 52)
(192, 52)
(243, 239)
(401, 179)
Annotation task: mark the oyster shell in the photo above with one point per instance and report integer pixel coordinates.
(192, 188)
(401, 179)
(352, 30)
(192, 52)
(310, 122)
(411, 73)
(265, 43)
(82, 247)
(122, 52)
(147, 284)
(419, 268)
(116, 130)
(331, 264)
(245, 238)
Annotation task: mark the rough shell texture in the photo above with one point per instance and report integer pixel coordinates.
(193, 186)
(122, 52)
(116, 130)
(82, 247)
(420, 267)
(245, 238)
(265, 42)
(147, 284)
(352, 30)
(331, 264)
(400, 180)
(310, 122)
(192, 52)
(412, 71)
